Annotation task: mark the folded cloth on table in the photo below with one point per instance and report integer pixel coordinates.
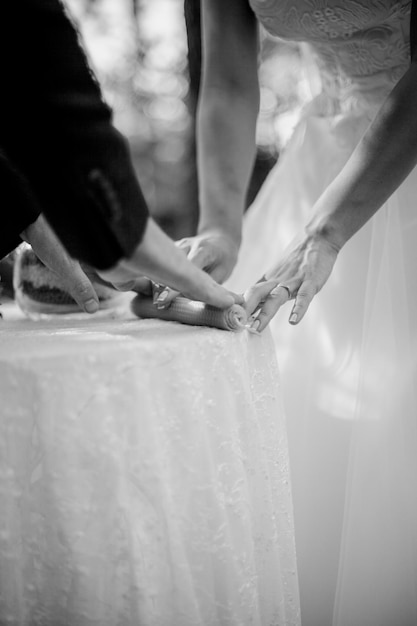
(192, 312)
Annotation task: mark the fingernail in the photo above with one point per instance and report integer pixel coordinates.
(293, 318)
(162, 296)
(91, 306)
(255, 325)
(156, 293)
(160, 301)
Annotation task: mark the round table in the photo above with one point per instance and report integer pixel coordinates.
(144, 476)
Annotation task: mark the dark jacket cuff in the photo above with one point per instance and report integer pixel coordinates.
(20, 206)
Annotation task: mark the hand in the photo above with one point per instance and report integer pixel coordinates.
(214, 252)
(52, 253)
(161, 261)
(300, 274)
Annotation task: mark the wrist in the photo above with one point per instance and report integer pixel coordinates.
(221, 212)
(329, 230)
(232, 232)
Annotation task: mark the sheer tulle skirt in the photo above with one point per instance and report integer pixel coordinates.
(349, 381)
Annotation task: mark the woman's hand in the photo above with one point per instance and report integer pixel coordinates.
(52, 253)
(214, 252)
(161, 261)
(383, 158)
(299, 275)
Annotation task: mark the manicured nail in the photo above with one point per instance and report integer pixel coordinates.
(156, 293)
(91, 306)
(293, 318)
(255, 325)
(161, 299)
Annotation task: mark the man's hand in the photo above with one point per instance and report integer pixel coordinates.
(52, 253)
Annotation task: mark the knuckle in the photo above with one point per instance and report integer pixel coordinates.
(301, 305)
(306, 292)
(84, 289)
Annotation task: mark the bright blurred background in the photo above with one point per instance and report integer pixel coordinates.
(147, 56)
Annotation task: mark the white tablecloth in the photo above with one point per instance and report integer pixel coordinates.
(144, 476)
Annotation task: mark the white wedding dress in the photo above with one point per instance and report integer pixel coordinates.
(349, 369)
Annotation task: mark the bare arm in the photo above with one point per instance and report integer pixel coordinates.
(382, 160)
(226, 125)
(159, 259)
(228, 108)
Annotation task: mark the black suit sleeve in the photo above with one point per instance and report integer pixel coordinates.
(58, 133)
(19, 206)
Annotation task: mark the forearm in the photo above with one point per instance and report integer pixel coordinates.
(227, 113)
(226, 153)
(383, 159)
(159, 259)
(63, 140)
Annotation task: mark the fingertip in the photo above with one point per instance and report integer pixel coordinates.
(263, 325)
(159, 297)
(164, 299)
(298, 311)
(85, 295)
(143, 286)
(226, 302)
(296, 316)
(91, 306)
(222, 300)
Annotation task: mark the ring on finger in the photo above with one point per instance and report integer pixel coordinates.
(274, 291)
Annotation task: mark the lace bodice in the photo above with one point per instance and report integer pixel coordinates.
(359, 46)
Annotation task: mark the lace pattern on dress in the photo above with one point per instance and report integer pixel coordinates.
(361, 48)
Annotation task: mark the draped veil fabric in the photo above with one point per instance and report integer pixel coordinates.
(348, 370)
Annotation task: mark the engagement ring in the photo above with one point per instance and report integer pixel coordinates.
(274, 291)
